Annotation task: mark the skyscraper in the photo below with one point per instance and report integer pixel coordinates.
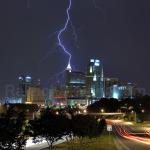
(76, 87)
(95, 79)
(24, 83)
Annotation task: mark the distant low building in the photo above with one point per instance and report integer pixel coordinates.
(35, 95)
(121, 90)
(109, 87)
(57, 96)
(12, 100)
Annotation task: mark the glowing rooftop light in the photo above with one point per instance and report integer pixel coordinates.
(69, 67)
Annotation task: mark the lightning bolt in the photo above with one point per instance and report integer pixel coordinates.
(60, 43)
(60, 34)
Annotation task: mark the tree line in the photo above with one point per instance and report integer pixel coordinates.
(114, 105)
(15, 131)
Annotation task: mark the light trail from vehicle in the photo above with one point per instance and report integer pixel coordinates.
(122, 131)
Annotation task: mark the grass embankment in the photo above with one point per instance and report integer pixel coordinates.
(103, 142)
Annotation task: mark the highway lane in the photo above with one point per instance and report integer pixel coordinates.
(133, 137)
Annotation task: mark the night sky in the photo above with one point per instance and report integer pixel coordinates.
(116, 31)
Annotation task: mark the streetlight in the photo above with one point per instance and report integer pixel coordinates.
(84, 111)
(102, 110)
(143, 110)
(57, 113)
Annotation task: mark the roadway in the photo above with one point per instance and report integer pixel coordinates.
(131, 136)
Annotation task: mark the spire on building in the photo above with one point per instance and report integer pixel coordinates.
(69, 68)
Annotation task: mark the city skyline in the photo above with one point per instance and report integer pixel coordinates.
(29, 44)
(82, 87)
(74, 74)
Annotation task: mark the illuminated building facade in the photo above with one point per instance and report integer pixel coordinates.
(130, 90)
(35, 95)
(115, 93)
(119, 90)
(95, 79)
(11, 100)
(57, 96)
(110, 87)
(29, 92)
(75, 87)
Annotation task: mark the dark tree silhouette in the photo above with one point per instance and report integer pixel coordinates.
(13, 132)
(49, 127)
(84, 126)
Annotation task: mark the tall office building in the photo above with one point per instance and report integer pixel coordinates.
(24, 84)
(75, 84)
(76, 87)
(95, 79)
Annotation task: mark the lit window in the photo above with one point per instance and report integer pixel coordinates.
(92, 60)
(28, 79)
(98, 61)
(94, 78)
(92, 92)
(96, 64)
(91, 70)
